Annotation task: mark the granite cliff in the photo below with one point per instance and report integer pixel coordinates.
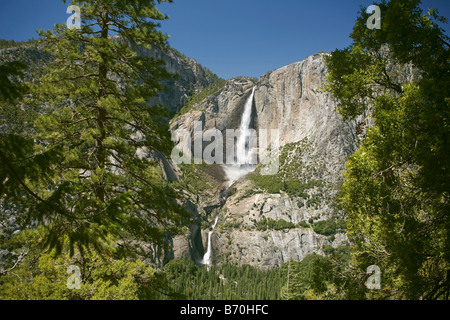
(267, 220)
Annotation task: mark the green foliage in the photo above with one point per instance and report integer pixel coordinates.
(44, 276)
(275, 184)
(325, 227)
(317, 277)
(4, 44)
(21, 168)
(312, 273)
(113, 277)
(252, 79)
(314, 201)
(271, 224)
(396, 190)
(304, 224)
(329, 227)
(227, 282)
(193, 179)
(10, 86)
(94, 118)
(289, 177)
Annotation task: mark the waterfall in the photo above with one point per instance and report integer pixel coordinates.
(241, 166)
(244, 155)
(207, 257)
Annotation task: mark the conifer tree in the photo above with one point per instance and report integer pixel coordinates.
(396, 189)
(93, 99)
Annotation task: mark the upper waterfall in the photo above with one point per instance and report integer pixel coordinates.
(244, 154)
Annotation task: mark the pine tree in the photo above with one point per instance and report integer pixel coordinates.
(93, 103)
(396, 190)
(19, 166)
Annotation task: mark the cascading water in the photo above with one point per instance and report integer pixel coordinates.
(207, 257)
(239, 168)
(244, 154)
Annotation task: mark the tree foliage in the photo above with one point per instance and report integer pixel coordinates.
(225, 282)
(45, 276)
(93, 113)
(293, 177)
(10, 85)
(396, 189)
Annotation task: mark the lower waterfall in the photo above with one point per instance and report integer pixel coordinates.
(207, 257)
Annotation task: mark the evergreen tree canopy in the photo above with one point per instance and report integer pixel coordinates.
(10, 85)
(95, 118)
(397, 184)
(42, 276)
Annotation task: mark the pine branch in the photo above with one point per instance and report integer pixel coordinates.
(19, 259)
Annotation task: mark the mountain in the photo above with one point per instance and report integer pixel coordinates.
(265, 220)
(262, 220)
(191, 77)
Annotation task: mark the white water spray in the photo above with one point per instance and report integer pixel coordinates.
(207, 257)
(244, 154)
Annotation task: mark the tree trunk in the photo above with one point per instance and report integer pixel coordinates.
(101, 111)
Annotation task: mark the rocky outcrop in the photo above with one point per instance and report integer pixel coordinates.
(191, 78)
(267, 249)
(221, 110)
(238, 237)
(290, 99)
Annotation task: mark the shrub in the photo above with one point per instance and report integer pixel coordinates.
(271, 224)
(329, 227)
(303, 224)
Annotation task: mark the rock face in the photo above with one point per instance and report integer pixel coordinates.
(291, 99)
(316, 142)
(192, 78)
(221, 110)
(288, 99)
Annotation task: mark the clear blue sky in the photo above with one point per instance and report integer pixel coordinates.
(230, 37)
